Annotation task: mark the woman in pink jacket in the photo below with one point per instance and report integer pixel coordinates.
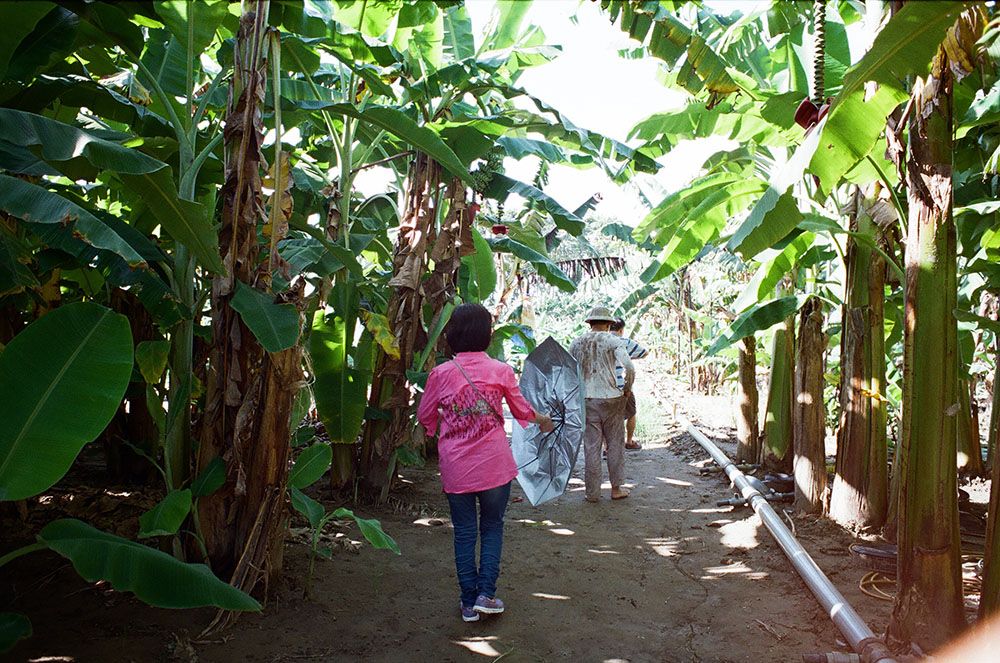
(465, 396)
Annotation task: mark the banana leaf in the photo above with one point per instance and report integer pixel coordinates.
(63, 378)
(153, 576)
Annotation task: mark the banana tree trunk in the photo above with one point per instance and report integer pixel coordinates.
(133, 423)
(989, 600)
(860, 488)
(690, 327)
(747, 424)
(249, 393)
(994, 429)
(970, 453)
(420, 239)
(776, 442)
(809, 411)
(928, 607)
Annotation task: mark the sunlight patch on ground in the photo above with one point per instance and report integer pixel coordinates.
(555, 527)
(736, 567)
(728, 569)
(575, 482)
(665, 547)
(675, 547)
(479, 645)
(52, 659)
(551, 597)
(674, 482)
(429, 522)
(711, 509)
(740, 534)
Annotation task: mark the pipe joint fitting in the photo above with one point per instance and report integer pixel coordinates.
(873, 650)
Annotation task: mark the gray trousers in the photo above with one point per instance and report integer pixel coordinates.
(605, 421)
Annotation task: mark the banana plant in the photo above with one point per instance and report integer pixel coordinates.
(66, 374)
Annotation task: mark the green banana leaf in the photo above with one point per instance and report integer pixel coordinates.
(815, 223)
(310, 466)
(700, 213)
(771, 272)
(518, 148)
(510, 15)
(340, 390)
(151, 356)
(113, 23)
(459, 41)
(314, 512)
(979, 321)
(434, 332)
(51, 40)
(166, 518)
(481, 265)
(166, 59)
(501, 186)
(702, 70)
(15, 256)
(307, 506)
(146, 284)
(664, 220)
(756, 319)
(19, 21)
(374, 19)
(904, 48)
(545, 267)
(63, 378)
(153, 576)
(187, 222)
(276, 326)
(196, 21)
(75, 91)
(398, 124)
(72, 151)
(13, 627)
(372, 530)
(776, 213)
(35, 204)
(210, 479)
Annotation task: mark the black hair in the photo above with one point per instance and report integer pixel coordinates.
(470, 328)
(617, 325)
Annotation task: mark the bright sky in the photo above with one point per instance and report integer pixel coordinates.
(598, 90)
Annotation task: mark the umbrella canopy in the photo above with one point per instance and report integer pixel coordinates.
(551, 382)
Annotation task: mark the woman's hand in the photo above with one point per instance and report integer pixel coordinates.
(544, 422)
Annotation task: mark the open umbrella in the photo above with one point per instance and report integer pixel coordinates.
(551, 382)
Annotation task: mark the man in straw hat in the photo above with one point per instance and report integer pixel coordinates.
(598, 352)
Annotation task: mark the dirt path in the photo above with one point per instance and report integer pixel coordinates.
(661, 576)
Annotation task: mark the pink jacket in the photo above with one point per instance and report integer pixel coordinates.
(472, 445)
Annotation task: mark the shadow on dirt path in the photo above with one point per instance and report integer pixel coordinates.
(661, 576)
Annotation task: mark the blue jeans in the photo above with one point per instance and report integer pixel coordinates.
(474, 580)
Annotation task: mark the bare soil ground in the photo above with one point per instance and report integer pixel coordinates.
(662, 576)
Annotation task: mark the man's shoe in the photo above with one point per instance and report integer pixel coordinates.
(469, 613)
(633, 446)
(487, 606)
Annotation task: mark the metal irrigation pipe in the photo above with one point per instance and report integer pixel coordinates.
(860, 637)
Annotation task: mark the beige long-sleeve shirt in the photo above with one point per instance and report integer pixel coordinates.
(598, 353)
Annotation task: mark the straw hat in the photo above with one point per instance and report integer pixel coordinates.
(600, 314)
